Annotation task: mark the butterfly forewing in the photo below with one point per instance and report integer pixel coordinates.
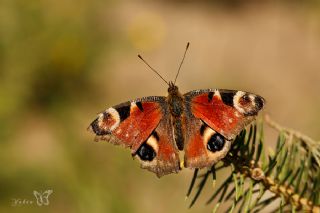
(143, 125)
(225, 111)
(129, 123)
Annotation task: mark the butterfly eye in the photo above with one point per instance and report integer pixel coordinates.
(146, 152)
(215, 143)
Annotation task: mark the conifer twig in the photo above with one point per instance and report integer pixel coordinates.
(291, 173)
(312, 145)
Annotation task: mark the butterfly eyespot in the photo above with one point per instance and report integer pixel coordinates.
(259, 102)
(215, 143)
(246, 98)
(106, 116)
(146, 152)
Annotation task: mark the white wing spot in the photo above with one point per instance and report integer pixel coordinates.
(100, 119)
(217, 93)
(236, 100)
(152, 141)
(115, 116)
(252, 97)
(133, 105)
(208, 132)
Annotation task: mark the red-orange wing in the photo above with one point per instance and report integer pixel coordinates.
(143, 125)
(214, 118)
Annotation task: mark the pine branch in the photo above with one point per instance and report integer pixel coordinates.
(306, 142)
(290, 173)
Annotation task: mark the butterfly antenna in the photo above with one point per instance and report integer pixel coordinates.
(153, 69)
(184, 55)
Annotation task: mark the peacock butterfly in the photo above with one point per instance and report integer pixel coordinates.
(202, 123)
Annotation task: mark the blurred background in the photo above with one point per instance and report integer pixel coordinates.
(62, 62)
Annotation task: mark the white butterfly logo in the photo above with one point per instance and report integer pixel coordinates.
(42, 198)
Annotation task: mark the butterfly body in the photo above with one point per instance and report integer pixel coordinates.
(202, 123)
(177, 110)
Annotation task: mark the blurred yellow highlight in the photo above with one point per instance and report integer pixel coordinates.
(146, 31)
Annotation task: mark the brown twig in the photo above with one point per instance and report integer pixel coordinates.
(255, 172)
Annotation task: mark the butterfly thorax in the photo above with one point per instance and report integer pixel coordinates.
(176, 107)
(175, 100)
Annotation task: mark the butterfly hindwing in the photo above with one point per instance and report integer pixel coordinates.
(143, 125)
(159, 153)
(214, 118)
(204, 146)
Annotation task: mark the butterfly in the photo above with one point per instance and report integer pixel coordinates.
(202, 123)
(42, 198)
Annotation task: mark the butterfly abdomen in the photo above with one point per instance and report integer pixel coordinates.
(178, 133)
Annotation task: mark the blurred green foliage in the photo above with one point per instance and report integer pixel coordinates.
(47, 49)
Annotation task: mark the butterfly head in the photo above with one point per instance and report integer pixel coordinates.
(172, 88)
